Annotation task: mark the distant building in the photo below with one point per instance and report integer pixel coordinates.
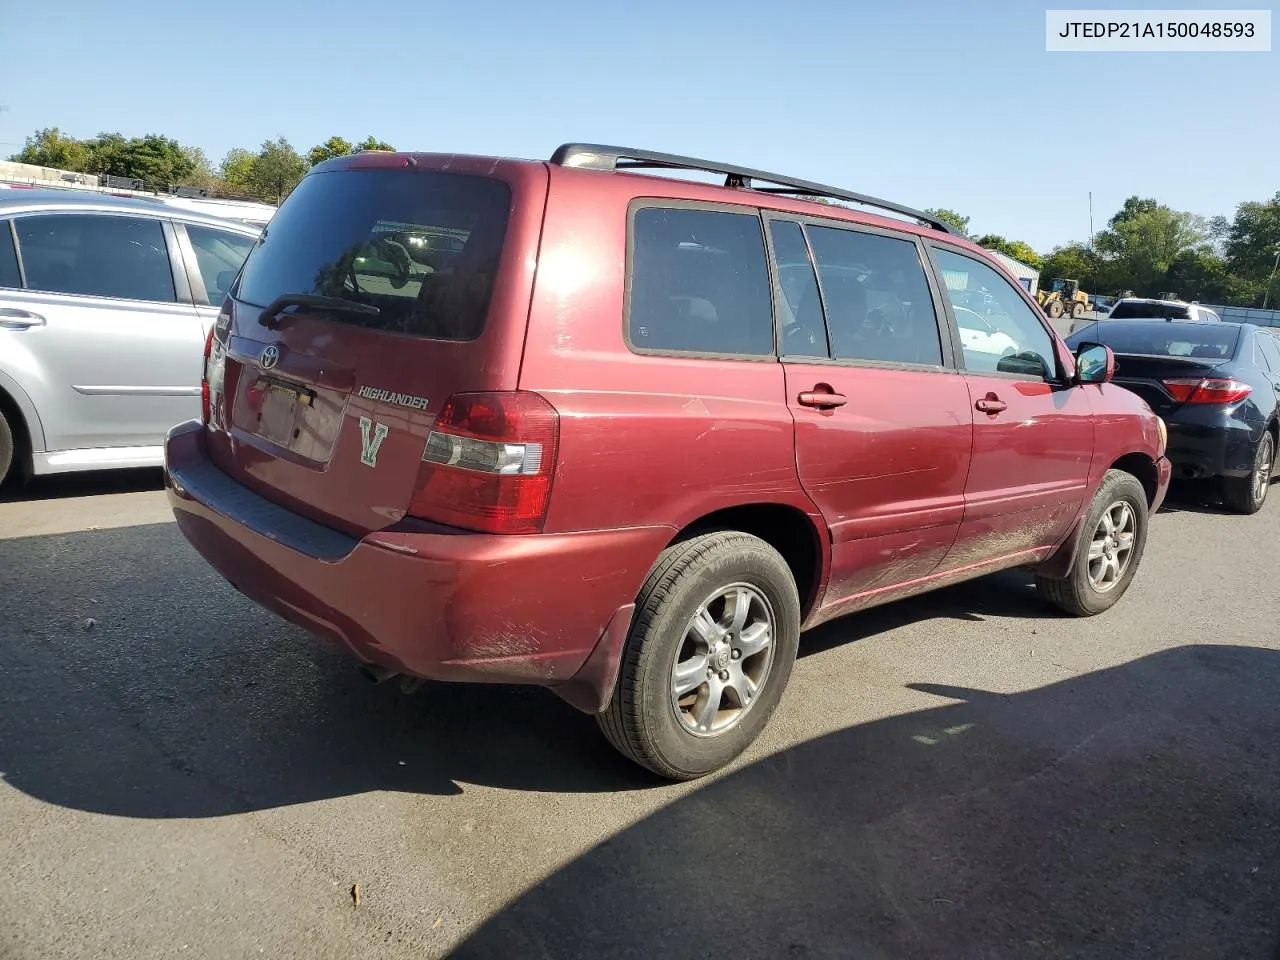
(1029, 277)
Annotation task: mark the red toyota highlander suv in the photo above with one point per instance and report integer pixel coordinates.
(626, 436)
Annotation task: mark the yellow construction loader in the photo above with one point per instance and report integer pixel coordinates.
(1065, 296)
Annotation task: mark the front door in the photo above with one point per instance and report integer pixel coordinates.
(118, 354)
(882, 426)
(1032, 431)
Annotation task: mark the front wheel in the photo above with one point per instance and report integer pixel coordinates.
(1248, 494)
(1112, 538)
(1055, 309)
(715, 633)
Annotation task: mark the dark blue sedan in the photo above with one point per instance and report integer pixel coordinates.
(1217, 388)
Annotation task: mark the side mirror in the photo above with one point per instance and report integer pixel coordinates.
(1095, 363)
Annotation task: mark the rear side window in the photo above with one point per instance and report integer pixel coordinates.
(1133, 310)
(219, 255)
(1166, 339)
(699, 283)
(877, 297)
(9, 276)
(1269, 343)
(96, 255)
(423, 248)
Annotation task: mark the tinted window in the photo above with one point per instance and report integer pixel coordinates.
(799, 303)
(423, 248)
(876, 297)
(219, 254)
(1163, 339)
(699, 283)
(999, 332)
(9, 276)
(1270, 345)
(96, 255)
(1137, 310)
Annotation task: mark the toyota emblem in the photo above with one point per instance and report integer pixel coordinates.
(270, 357)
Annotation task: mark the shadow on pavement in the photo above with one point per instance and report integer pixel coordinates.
(183, 699)
(1129, 812)
(63, 486)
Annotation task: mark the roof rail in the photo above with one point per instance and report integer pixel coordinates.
(592, 156)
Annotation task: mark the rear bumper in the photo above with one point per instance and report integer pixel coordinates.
(1200, 451)
(430, 601)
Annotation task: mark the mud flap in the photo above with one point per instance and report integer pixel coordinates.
(591, 687)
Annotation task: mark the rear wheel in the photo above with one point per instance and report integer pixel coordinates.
(1077, 310)
(1055, 309)
(716, 628)
(6, 448)
(1248, 494)
(1113, 536)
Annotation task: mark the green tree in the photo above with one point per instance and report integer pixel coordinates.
(951, 218)
(157, 161)
(1075, 261)
(276, 170)
(51, 147)
(333, 147)
(202, 174)
(1251, 242)
(1012, 248)
(1199, 275)
(372, 143)
(236, 168)
(1145, 239)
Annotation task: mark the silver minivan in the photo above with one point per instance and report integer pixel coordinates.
(105, 304)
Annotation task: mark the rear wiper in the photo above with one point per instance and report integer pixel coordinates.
(333, 304)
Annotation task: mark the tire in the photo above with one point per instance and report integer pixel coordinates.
(1077, 311)
(1055, 309)
(1247, 494)
(6, 448)
(1077, 593)
(642, 720)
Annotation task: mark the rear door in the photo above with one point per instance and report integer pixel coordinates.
(883, 433)
(213, 257)
(115, 339)
(1032, 431)
(419, 282)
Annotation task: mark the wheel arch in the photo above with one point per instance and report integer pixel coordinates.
(28, 435)
(789, 530)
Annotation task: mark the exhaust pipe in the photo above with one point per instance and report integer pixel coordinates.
(376, 674)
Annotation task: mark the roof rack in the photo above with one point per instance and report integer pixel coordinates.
(593, 156)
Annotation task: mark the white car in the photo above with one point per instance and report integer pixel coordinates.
(978, 335)
(1146, 308)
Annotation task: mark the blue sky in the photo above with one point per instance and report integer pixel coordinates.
(930, 104)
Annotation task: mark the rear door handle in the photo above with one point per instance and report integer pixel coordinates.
(822, 399)
(13, 319)
(991, 404)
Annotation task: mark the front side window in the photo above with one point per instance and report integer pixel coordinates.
(876, 296)
(9, 275)
(699, 283)
(219, 255)
(999, 332)
(96, 255)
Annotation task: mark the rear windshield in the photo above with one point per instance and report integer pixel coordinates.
(1155, 311)
(1166, 339)
(421, 247)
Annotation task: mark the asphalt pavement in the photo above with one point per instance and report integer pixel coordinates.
(965, 775)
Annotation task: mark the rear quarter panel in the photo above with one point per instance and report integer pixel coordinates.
(1124, 425)
(644, 439)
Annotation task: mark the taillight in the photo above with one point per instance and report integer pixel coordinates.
(1206, 390)
(488, 463)
(215, 364)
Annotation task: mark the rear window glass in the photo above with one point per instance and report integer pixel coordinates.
(421, 247)
(699, 283)
(1156, 311)
(1165, 340)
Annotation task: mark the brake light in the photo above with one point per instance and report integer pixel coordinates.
(488, 463)
(215, 365)
(1206, 390)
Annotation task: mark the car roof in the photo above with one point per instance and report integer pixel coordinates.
(1179, 321)
(25, 201)
(1170, 303)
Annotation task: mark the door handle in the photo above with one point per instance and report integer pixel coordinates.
(991, 404)
(822, 399)
(13, 319)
